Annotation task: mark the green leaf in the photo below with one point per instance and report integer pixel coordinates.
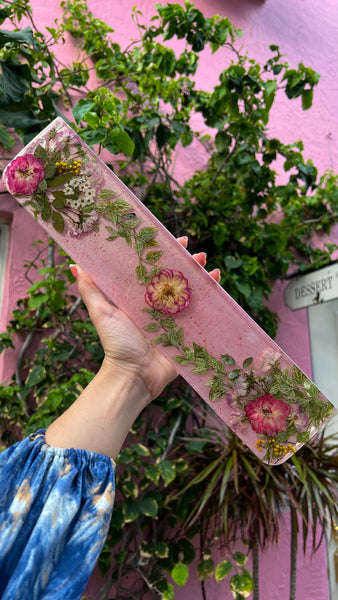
(6, 140)
(15, 116)
(58, 222)
(36, 375)
(205, 568)
(94, 136)
(307, 98)
(149, 507)
(123, 141)
(222, 570)
(242, 584)
(83, 106)
(247, 362)
(131, 510)
(232, 263)
(140, 449)
(168, 471)
(13, 85)
(240, 558)
(37, 300)
(180, 574)
(151, 327)
(24, 36)
(162, 135)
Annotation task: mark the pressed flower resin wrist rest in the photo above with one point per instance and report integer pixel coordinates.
(226, 357)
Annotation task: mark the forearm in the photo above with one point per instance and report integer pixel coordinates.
(99, 420)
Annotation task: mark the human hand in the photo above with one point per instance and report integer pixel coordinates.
(127, 351)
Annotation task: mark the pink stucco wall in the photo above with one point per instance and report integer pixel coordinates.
(306, 30)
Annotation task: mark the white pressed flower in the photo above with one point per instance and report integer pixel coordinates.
(90, 195)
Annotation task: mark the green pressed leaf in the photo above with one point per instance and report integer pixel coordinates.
(60, 180)
(247, 362)
(46, 211)
(149, 507)
(106, 193)
(228, 360)
(151, 327)
(234, 374)
(147, 233)
(182, 360)
(152, 257)
(222, 570)
(58, 222)
(180, 574)
(60, 199)
(41, 153)
(50, 171)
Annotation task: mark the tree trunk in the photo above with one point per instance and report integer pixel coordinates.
(293, 553)
(255, 563)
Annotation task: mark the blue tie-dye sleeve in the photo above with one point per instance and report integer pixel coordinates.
(55, 509)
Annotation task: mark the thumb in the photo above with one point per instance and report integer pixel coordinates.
(92, 297)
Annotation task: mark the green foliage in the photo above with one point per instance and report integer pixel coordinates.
(252, 226)
(230, 205)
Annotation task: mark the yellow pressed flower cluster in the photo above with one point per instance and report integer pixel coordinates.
(73, 167)
(278, 449)
(260, 445)
(281, 449)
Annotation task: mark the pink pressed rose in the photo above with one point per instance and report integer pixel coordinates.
(24, 174)
(267, 414)
(168, 292)
(299, 419)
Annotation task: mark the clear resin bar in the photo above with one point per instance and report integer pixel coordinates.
(250, 383)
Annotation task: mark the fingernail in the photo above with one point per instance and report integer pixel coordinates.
(73, 269)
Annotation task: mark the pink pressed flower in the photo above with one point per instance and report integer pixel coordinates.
(24, 174)
(299, 419)
(87, 226)
(267, 414)
(239, 421)
(269, 358)
(168, 292)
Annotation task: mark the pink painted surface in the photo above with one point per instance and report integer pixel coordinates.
(305, 30)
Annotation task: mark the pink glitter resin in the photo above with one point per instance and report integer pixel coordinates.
(220, 351)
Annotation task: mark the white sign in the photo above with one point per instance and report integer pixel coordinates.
(313, 288)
